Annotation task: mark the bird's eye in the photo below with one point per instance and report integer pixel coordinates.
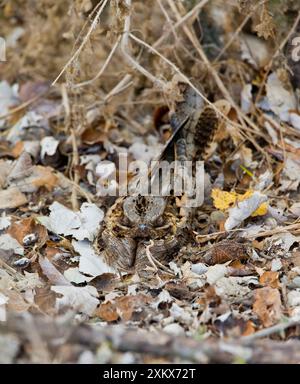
(159, 222)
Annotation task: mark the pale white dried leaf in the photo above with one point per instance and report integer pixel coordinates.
(106, 187)
(81, 225)
(272, 132)
(32, 147)
(174, 329)
(215, 272)
(143, 152)
(284, 239)
(246, 98)
(14, 36)
(280, 100)
(264, 180)
(81, 299)
(234, 288)
(295, 120)
(8, 98)
(276, 265)
(5, 222)
(73, 275)
(3, 301)
(243, 210)
(224, 316)
(9, 347)
(8, 243)
(5, 166)
(132, 290)
(181, 314)
(291, 170)
(199, 268)
(90, 263)
(295, 209)
(12, 198)
(90, 161)
(192, 279)
(163, 297)
(294, 298)
(173, 266)
(29, 282)
(30, 119)
(49, 146)
(105, 169)
(254, 50)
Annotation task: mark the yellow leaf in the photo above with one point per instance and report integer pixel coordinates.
(224, 200)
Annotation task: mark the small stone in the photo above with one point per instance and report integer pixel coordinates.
(174, 329)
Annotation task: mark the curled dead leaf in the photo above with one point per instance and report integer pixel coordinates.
(225, 251)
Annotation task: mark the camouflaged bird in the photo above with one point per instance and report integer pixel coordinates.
(140, 231)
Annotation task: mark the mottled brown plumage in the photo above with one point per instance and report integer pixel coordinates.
(132, 222)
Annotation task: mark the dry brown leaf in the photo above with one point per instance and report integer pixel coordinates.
(45, 300)
(127, 305)
(250, 328)
(92, 136)
(12, 198)
(105, 282)
(296, 258)
(16, 301)
(44, 177)
(107, 312)
(224, 251)
(4, 170)
(21, 168)
(17, 149)
(122, 307)
(267, 305)
(270, 278)
(28, 226)
(266, 28)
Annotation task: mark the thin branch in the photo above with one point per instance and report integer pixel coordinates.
(270, 331)
(158, 344)
(242, 117)
(184, 77)
(281, 46)
(132, 61)
(84, 41)
(104, 66)
(180, 22)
